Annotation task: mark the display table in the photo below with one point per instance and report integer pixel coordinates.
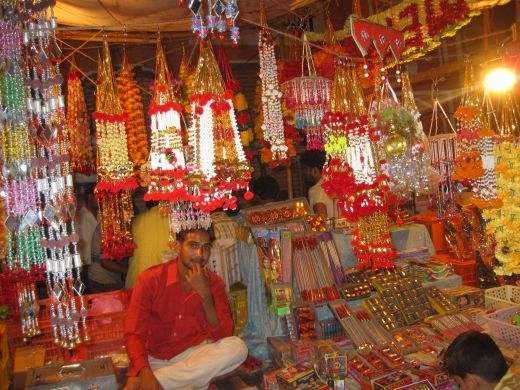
(404, 238)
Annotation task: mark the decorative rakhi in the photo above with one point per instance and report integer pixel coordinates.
(131, 102)
(215, 18)
(114, 169)
(217, 164)
(78, 123)
(272, 126)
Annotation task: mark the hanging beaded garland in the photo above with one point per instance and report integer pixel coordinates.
(53, 178)
(217, 162)
(442, 156)
(78, 123)
(114, 169)
(309, 94)
(23, 251)
(272, 126)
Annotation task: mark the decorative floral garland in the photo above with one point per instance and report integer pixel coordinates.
(135, 127)
(504, 221)
(78, 123)
(424, 22)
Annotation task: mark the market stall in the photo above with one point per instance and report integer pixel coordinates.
(421, 245)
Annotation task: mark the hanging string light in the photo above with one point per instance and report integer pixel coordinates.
(114, 169)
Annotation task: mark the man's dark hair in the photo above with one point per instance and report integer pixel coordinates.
(475, 353)
(313, 158)
(265, 187)
(181, 236)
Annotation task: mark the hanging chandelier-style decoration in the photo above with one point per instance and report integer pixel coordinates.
(509, 125)
(114, 168)
(78, 123)
(212, 18)
(168, 180)
(404, 143)
(272, 126)
(132, 105)
(308, 96)
(217, 163)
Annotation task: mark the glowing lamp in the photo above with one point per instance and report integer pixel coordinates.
(500, 79)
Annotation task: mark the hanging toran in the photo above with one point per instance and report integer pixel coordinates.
(308, 96)
(442, 156)
(114, 169)
(352, 172)
(217, 163)
(474, 162)
(132, 105)
(167, 174)
(272, 124)
(78, 123)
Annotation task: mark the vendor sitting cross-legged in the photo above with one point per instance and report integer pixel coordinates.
(179, 326)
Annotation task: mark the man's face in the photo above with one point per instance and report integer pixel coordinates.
(308, 174)
(195, 249)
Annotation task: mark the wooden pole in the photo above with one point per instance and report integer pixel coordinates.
(289, 182)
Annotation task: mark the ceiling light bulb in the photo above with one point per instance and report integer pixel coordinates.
(500, 79)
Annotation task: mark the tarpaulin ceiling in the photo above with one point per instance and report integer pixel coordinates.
(165, 15)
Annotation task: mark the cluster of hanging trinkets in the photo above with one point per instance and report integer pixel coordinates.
(212, 18)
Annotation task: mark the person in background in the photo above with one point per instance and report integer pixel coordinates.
(151, 234)
(104, 274)
(312, 162)
(85, 224)
(179, 326)
(265, 188)
(474, 361)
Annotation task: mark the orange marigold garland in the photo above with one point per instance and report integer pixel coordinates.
(114, 169)
(131, 102)
(78, 123)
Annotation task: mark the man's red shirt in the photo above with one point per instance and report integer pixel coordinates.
(164, 320)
